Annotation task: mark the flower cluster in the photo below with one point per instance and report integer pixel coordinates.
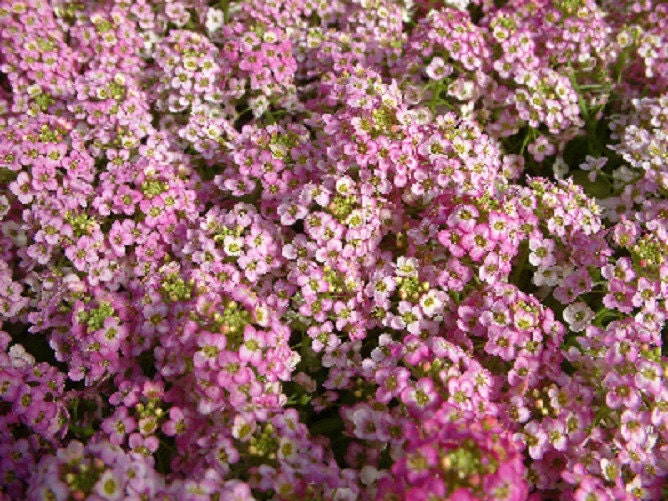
(100, 471)
(335, 250)
(448, 460)
(32, 414)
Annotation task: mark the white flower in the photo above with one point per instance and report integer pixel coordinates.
(438, 70)
(560, 168)
(343, 185)
(243, 428)
(547, 276)
(578, 315)
(462, 89)
(34, 90)
(458, 4)
(215, 18)
(261, 316)
(287, 449)
(431, 303)
(4, 206)
(108, 486)
(19, 357)
(623, 174)
(233, 245)
(313, 39)
(150, 39)
(610, 469)
(466, 110)
(355, 219)
(368, 474)
(542, 252)
(258, 105)
(624, 38)
(406, 267)
(269, 37)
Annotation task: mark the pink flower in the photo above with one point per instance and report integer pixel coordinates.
(535, 439)
(421, 396)
(621, 391)
(541, 148)
(391, 383)
(438, 70)
(119, 426)
(591, 489)
(501, 343)
(21, 187)
(177, 423)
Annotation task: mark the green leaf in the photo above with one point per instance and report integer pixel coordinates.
(327, 426)
(600, 188)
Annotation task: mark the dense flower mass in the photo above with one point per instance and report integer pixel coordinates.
(333, 250)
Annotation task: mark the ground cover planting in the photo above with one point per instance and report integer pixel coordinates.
(333, 250)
